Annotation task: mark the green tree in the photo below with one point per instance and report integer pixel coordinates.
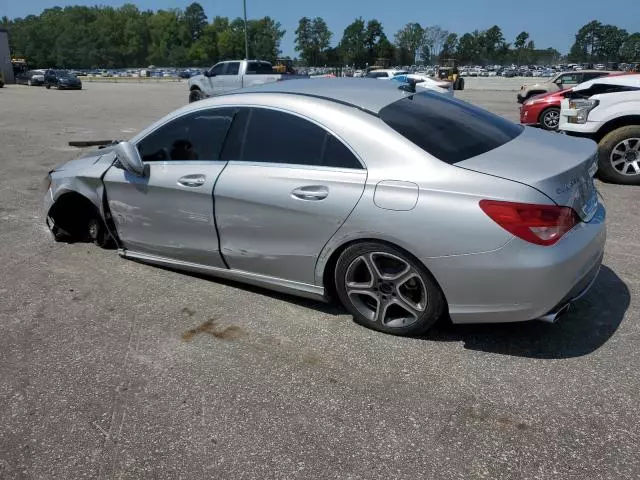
(353, 50)
(585, 46)
(493, 44)
(204, 51)
(265, 35)
(450, 46)
(611, 40)
(630, 50)
(469, 48)
(432, 40)
(169, 38)
(303, 40)
(312, 40)
(410, 39)
(375, 42)
(519, 44)
(196, 20)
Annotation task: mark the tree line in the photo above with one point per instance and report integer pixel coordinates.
(107, 37)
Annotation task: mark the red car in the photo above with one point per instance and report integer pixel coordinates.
(544, 109)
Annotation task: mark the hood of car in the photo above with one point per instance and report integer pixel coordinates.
(87, 161)
(548, 97)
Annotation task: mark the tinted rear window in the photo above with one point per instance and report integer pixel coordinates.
(446, 128)
(259, 68)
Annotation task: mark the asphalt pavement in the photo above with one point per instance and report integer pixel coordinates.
(113, 369)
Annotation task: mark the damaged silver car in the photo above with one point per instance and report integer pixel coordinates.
(405, 206)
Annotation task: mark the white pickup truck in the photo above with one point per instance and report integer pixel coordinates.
(232, 75)
(607, 110)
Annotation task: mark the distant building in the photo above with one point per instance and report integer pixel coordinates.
(5, 56)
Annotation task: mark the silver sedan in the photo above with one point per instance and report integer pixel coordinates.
(405, 206)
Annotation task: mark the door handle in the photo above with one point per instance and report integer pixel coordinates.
(311, 192)
(196, 180)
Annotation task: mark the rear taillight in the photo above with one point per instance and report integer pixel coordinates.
(539, 224)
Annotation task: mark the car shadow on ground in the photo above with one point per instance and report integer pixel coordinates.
(586, 327)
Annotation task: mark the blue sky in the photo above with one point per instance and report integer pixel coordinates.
(551, 23)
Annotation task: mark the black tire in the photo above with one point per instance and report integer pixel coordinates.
(47, 86)
(410, 298)
(59, 235)
(97, 233)
(616, 157)
(196, 95)
(460, 82)
(550, 118)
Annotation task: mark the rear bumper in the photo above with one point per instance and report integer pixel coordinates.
(521, 281)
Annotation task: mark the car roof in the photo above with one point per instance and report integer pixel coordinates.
(367, 94)
(623, 80)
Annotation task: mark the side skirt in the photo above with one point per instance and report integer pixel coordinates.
(278, 284)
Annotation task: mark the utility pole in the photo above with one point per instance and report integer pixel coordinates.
(246, 41)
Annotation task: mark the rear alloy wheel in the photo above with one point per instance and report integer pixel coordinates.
(550, 118)
(387, 290)
(619, 156)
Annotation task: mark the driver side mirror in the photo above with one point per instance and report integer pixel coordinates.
(209, 73)
(129, 158)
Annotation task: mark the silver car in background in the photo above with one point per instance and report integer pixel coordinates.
(405, 206)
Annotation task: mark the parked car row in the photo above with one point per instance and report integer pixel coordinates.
(60, 79)
(32, 78)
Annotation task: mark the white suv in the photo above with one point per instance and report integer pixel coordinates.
(607, 110)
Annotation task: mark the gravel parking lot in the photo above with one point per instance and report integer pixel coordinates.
(115, 369)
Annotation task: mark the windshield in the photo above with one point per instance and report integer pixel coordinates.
(448, 129)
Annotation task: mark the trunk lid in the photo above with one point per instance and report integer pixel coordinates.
(559, 166)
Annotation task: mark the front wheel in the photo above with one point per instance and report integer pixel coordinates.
(47, 86)
(550, 118)
(387, 290)
(619, 156)
(98, 233)
(196, 95)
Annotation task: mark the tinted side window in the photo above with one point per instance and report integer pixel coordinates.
(218, 69)
(448, 129)
(194, 136)
(259, 68)
(232, 68)
(592, 75)
(270, 136)
(336, 154)
(377, 75)
(571, 78)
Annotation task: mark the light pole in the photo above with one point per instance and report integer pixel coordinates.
(246, 41)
